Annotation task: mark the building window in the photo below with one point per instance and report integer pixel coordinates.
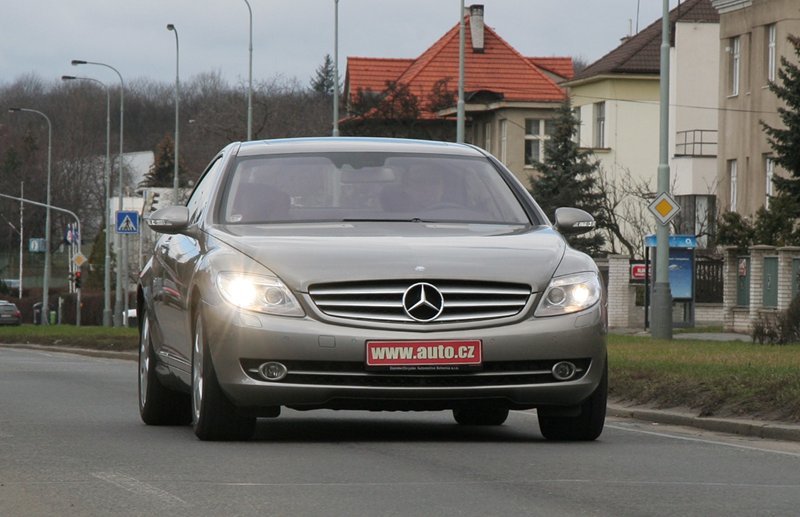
(600, 125)
(769, 166)
(772, 33)
(735, 65)
(488, 137)
(576, 113)
(732, 179)
(537, 132)
(504, 141)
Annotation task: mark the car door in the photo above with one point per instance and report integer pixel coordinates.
(174, 261)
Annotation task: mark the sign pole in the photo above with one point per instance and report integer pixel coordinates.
(662, 297)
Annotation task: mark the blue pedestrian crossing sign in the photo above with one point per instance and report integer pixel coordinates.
(127, 221)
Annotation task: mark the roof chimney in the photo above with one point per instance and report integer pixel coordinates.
(476, 27)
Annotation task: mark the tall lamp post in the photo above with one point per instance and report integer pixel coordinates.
(250, 78)
(121, 305)
(335, 67)
(662, 296)
(171, 27)
(107, 181)
(45, 315)
(460, 105)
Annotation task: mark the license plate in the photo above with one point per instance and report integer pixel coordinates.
(415, 355)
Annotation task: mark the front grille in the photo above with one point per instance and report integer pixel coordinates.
(496, 373)
(383, 301)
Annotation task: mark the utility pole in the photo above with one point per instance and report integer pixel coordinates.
(662, 296)
(460, 115)
(21, 233)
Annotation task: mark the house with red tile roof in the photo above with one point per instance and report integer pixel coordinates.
(508, 97)
(617, 98)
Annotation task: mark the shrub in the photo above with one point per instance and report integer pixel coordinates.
(780, 329)
(789, 322)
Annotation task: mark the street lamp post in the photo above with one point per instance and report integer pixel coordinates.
(107, 181)
(460, 105)
(45, 317)
(121, 305)
(662, 295)
(175, 196)
(250, 78)
(336, 68)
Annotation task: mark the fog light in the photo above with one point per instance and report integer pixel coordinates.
(272, 371)
(564, 371)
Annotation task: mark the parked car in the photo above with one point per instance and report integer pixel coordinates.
(368, 274)
(9, 313)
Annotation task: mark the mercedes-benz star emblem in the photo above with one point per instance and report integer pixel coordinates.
(423, 302)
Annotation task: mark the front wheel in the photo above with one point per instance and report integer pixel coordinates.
(586, 426)
(214, 417)
(157, 404)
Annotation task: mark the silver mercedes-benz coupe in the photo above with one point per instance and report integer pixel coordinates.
(374, 274)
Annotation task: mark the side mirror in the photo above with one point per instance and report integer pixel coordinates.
(573, 220)
(170, 219)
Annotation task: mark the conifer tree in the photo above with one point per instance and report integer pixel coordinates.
(161, 173)
(568, 177)
(324, 79)
(785, 141)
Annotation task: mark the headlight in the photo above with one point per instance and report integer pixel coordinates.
(264, 294)
(570, 293)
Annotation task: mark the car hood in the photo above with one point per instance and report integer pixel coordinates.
(306, 254)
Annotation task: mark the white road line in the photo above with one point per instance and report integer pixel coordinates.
(515, 482)
(685, 438)
(701, 440)
(137, 487)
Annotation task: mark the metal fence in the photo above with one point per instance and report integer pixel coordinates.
(709, 281)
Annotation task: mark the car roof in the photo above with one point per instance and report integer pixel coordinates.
(355, 144)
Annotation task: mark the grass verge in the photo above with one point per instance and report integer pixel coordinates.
(714, 378)
(70, 336)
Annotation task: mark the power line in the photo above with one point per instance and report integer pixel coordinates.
(655, 103)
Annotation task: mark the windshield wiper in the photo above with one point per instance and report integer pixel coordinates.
(393, 220)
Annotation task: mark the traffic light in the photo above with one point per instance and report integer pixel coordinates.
(77, 279)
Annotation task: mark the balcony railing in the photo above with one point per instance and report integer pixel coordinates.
(696, 142)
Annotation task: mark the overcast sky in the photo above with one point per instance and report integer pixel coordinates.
(290, 37)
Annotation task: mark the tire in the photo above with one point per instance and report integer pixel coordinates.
(586, 426)
(214, 417)
(157, 405)
(480, 415)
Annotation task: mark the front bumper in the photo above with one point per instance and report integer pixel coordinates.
(326, 363)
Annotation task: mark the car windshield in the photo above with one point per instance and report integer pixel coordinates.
(322, 187)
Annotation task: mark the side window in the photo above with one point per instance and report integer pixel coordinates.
(199, 198)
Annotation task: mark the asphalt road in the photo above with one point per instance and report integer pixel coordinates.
(71, 443)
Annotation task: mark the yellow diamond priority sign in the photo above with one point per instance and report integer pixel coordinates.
(664, 207)
(79, 259)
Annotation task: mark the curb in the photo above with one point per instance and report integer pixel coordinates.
(755, 428)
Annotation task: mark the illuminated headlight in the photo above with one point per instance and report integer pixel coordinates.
(568, 294)
(258, 293)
